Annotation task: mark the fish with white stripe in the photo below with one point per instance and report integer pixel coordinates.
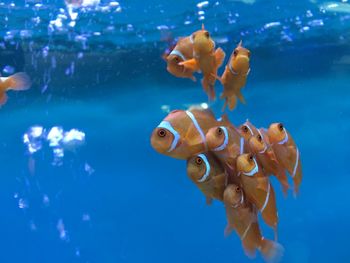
(206, 59)
(181, 134)
(247, 130)
(225, 141)
(207, 173)
(242, 218)
(181, 52)
(258, 189)
(287, 152)
(235, 76)
(259, 145)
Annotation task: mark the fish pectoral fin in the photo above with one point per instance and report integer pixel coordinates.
(240, 96)
(193, 137)
(216, 76)
(190, 64)
(228, 230)
(219, 57)
(208, 200)
(271, 155)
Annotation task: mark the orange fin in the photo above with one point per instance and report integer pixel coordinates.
(3, 99)
(190, 64)
(208, 200)
(18, 81)
(219, 57)
(192, 136)
(232, 102)
(271, 251)
(228, 230)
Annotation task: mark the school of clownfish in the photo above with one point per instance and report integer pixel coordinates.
(228, 163)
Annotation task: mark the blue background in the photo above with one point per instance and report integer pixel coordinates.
(141, 205)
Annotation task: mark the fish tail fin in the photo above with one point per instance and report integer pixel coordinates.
(208, 86)
(232, 102)
(240, 97)
(271, 251)
(219, 57)
(3, 98)
(18, 81)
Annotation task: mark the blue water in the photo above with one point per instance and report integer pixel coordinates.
(115, 199)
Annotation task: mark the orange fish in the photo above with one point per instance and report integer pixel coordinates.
(226, 142)
(235, 76)
(182, 51)
(247, 130)
(260, 146)
(18, 81)
(206, 59)
(286, 151)
(208, 174)
(181, 134)
(242, 218)
(258, 189)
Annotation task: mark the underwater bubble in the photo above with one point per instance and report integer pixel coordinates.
(272, 24)
(46, 200)
(201, 13)
(55, 136)
(33, 138)
(62, 231)
(86, 217)
(201, 18)
(165, 108)
(316, 22)
(88, 169)
(73, 139)
(203, 4)
(8, 70)
(22, 203)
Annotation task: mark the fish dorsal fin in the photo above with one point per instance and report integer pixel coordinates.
(202, 110)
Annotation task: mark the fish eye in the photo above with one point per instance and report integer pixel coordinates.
(259, 138)
(219, 131)
(161, 133)
(199, 161)
(207, 35)
(280, 127)
(251, 157)
(235, 52)
(245, 128)
(238, 189)
(177, 59)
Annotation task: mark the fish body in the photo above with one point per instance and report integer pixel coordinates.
(205, 59)
(287, 152)
(261, 147)
(207, 173)
(258, 189)
(182, 51)
(226, 142)
(235, 76)
(181, 134)
(242, 218)
(19, 81)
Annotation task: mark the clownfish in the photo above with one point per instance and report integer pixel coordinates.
(182, 51)
(181, 134)
(286, 151)
(226, 142)
(18, 81)
(247, 130)
(242, 218)
(235, 76)
(206, 59)
(208, 174)
(260, 146)
(258, 189)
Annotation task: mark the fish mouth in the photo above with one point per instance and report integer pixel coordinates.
(241, 64)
